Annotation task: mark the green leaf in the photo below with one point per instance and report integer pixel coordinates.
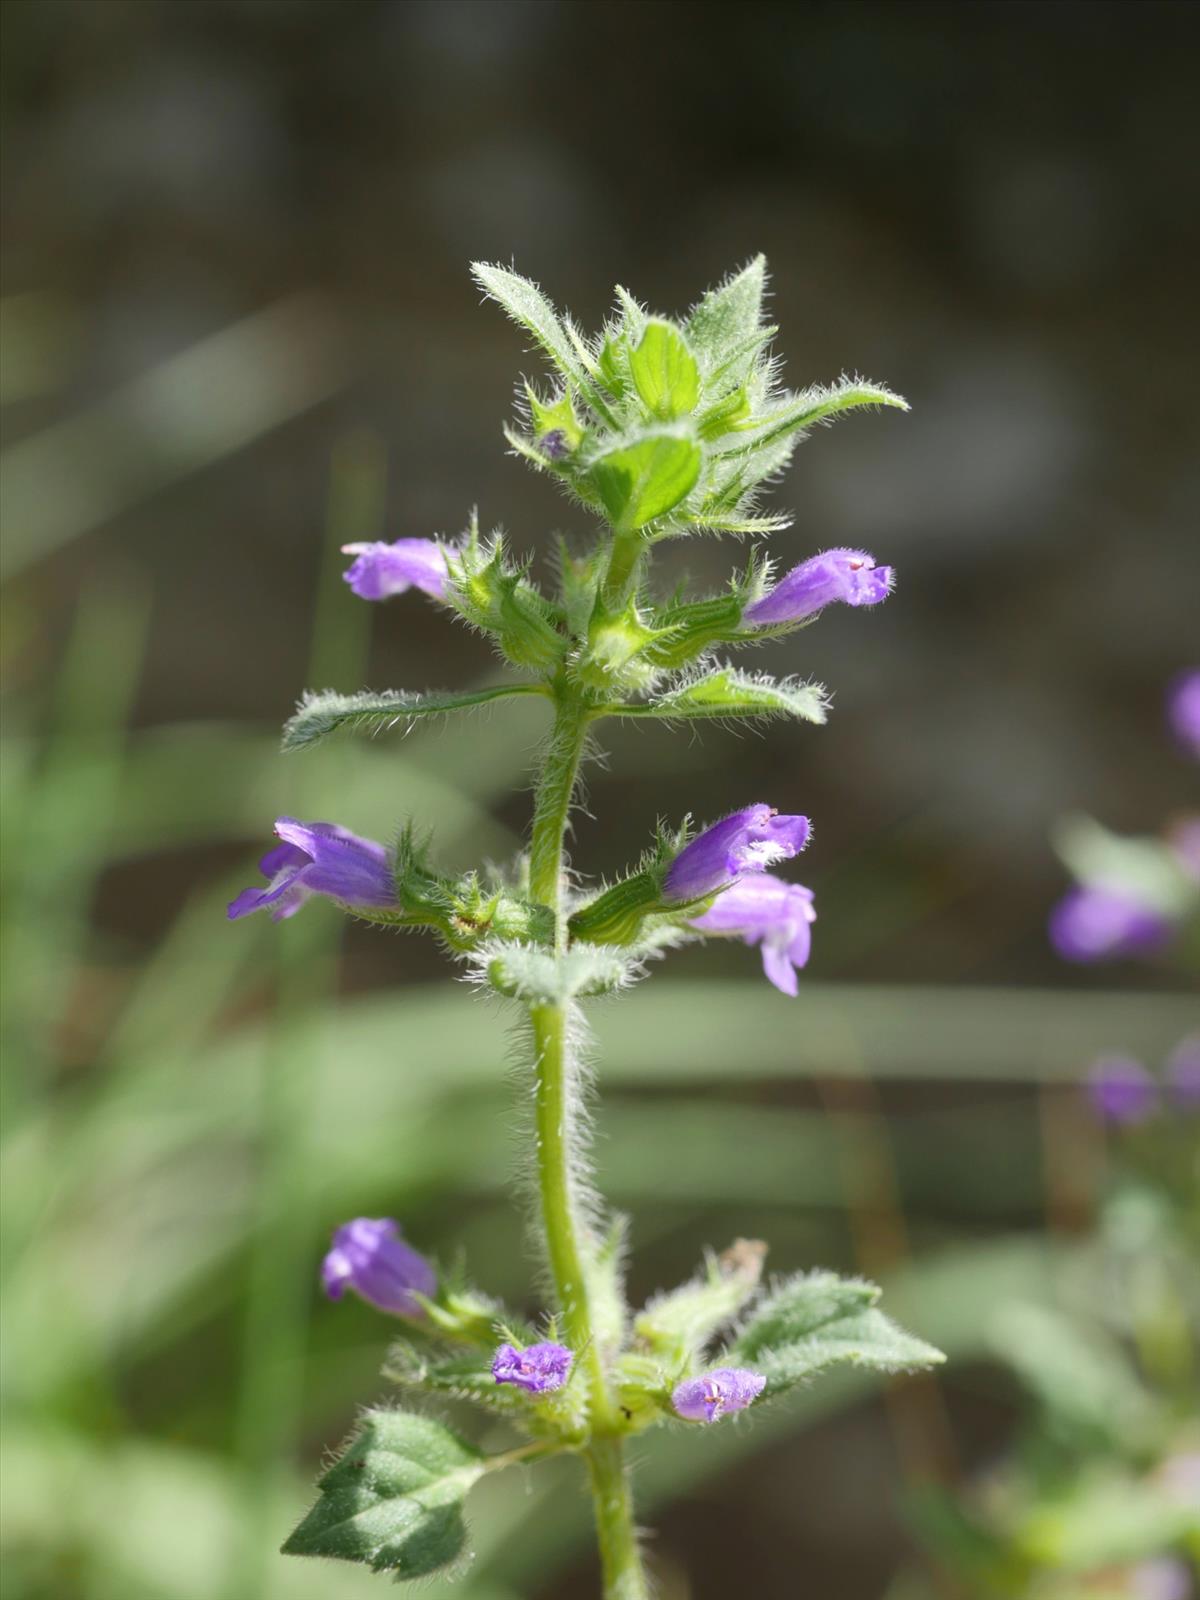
(730, 693)
(728, 317)
(529, 308)
(679, 1323)
(324, 712)
(806, 409)
(665, 373)
(817, 1320)
(394, 1499)
(641, 482)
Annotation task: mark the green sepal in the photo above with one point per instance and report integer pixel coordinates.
(726, 692)
(675, 1326)
(322, 712)
(817, 1320)
(560, 1414)
(687, 631)
(616, 653)
(394, 1499)
(463, 910)
(664, 372)
(639, 482)
(556, 417)
(604, 1269)
(616, 916)
(545, 977)
(725, 414)
(497, 598)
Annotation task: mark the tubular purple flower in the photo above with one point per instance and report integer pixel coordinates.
(318, 858)
(1183, 1074)
(847, 575)
(708, 1397)
(382, 570)
(1095, 923)
(747, 841)
(766, 911)
(1183, 709)
(370, 1257)
(541, 1368)
(1122, 1091)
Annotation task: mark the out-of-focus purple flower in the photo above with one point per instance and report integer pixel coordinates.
(370, 1257)
(1161, 1578)
(1122, 1091)
(1183, 1074)
(764, 910)
(540, 1369)
(708, 1397)
(1184, 841)
(380, 570)
(318, 858)
(1094, 923)
(747, 841)
(847, 575)
(1183, 709)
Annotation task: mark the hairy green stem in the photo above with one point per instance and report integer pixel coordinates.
(566, 1244)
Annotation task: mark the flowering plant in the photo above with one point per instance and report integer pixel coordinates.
(662, 429)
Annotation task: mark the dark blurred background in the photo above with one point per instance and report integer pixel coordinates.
(237, 330)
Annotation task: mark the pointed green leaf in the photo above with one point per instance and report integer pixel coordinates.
(665, 373)
(729, 316)
(729, 693)
(530, 309)
(325, 712)
(817, 1320)
(642, 482)
(806, 409)
(394, 1499)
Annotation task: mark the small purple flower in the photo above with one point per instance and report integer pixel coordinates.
(1122, 1091)
(748, 841)
(1093, 923)
(1183, 1074)
(540, 1369)
(765, 910)
(318, 858)
(1183, 709)
(847, 575)
(380, 570)
(370, 1257)
(708, 1397)
(553, 445)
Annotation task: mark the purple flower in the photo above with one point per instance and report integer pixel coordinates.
(318, 858)
(1183, 1074)
(553, 445)
(708, 1397)
(847, 575)
(747, 841)
(380, 570)
(1183, 709)
(370, 1257)
(1093, 923)
(765, 910)
(540, 1369)
(1161, 1578)
(1122, 1091)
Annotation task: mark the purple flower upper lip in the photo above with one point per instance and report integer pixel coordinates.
(541, 1368)
(381, 570)
(847, 575)
(370, 1257)
(764, 910)
(318, 858)
(746, 841)
(710, 1396)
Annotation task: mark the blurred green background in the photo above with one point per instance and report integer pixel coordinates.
(237, 332)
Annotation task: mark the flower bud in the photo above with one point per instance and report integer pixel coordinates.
(540, 1369)
(370, 1257)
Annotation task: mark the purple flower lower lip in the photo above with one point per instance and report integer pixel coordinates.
(1122, 1091)
(1093, 923)
(746, 841)
(318, 858)
(541, 1368)
(710, 1396)
(764, 910)
(381, 570)
(370, 1257)
(1183, 709)
(850, 576)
